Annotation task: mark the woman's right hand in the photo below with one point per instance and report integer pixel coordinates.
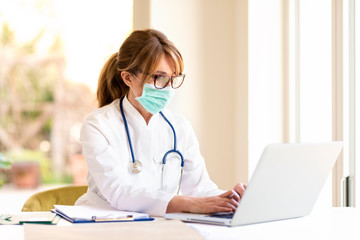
(226, 202)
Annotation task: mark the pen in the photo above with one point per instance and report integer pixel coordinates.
(126, 218)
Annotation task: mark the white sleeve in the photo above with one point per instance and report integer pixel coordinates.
(196, 180)
(108, 176)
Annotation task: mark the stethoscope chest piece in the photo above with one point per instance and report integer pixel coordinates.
(135, 167)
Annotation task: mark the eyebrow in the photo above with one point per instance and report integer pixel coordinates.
(162, 72)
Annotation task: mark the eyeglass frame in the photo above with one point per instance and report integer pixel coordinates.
(170, 79)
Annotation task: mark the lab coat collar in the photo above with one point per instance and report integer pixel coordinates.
(134, 115)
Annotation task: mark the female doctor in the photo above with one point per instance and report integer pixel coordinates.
(140, 156)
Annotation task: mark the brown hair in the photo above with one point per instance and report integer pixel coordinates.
(142, 50)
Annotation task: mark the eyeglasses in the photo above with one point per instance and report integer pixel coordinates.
(161, 81)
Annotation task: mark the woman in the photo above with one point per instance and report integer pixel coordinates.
(125, 140)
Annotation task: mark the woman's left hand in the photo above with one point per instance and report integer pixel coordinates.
(240, 189)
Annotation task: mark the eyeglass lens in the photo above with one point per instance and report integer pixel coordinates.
(163, 81)
(177, 81)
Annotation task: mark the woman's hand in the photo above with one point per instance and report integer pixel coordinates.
(226, 202)
(240, 189)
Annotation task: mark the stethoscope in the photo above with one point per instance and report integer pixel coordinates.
(136, 166)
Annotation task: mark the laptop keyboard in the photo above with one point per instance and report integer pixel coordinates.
(227, 215)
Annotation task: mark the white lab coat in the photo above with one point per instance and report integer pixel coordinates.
(107, 153)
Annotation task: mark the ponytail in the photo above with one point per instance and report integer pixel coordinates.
(110, 85)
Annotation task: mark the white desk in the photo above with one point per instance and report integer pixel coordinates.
(335, 223)
(159, 229)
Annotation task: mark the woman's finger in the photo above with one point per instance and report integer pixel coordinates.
(240, 189)
(227, 194)
(235, 196)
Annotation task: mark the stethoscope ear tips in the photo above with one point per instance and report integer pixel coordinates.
(135, 167)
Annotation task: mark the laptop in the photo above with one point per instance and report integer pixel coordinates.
(285, 184)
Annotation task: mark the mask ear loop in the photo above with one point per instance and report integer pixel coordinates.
(131, 88)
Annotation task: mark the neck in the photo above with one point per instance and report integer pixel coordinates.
(145, 114)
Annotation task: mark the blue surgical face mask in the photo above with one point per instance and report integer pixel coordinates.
(154, 100)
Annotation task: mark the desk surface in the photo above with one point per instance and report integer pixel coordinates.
(334, 223)
(329, 224)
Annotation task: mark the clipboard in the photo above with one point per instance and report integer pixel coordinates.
(86, 214)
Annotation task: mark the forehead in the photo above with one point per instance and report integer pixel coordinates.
(166, 65)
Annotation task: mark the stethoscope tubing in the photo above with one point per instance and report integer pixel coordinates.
(127, 130)
(174, 150)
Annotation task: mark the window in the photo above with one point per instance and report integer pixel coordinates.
(51, 58)
(291, 94)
